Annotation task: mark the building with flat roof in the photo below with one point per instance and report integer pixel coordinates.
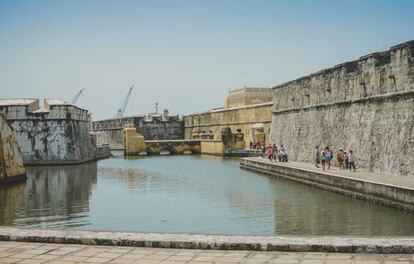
(248, 96)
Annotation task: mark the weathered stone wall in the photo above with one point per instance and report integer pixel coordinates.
(365, 105)
(244, 117)
(109, 131)
(11, 160)
(399, 196)
(57, 133)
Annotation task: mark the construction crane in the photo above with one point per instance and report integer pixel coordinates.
(121, 110)
(76, 97)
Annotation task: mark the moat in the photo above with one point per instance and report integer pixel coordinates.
(190, 194)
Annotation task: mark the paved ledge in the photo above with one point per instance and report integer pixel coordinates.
(383, 245)
(392, 191)
(20, 252)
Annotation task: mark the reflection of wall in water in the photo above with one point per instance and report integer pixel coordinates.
(64, 190)
(10, 196)
(304, 210)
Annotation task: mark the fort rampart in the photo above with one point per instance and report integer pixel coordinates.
(57, 133)
(366, 105)
(109, 131)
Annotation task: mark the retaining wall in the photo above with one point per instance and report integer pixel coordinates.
(366, 105)
(381, 193)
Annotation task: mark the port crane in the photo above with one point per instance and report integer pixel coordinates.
(121, 110)
(76, 97)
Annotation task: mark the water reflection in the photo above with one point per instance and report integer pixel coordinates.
(52, 196)
(196, 194)
(325, 213)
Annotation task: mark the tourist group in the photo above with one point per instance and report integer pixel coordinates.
(345, 160)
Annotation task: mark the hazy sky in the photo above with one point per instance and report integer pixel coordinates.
(185, 55)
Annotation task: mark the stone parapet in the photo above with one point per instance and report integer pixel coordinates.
(344, 244)
(57, 133)
(374, 74)
(53, 109)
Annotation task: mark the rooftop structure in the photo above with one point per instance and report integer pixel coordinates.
(247, 96)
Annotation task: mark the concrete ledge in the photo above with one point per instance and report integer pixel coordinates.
(382, 193)
(389, 245)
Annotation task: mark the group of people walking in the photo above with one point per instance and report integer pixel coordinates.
(273, 153)
(346, 160)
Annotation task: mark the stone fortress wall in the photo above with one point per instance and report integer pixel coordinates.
(243, 117)
(57, 133)
(152, 127)
(366, 105)
(11, 160)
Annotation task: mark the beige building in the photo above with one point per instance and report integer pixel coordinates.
(248, 96)
(247, 110)
(243, 118)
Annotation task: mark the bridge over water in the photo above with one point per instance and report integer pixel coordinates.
(175, 147)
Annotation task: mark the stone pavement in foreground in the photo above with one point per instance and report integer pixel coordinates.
(19, 252)
(360, 174)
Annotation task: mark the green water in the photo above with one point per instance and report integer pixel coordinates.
(194, 194)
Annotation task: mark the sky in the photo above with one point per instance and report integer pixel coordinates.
(185, 55)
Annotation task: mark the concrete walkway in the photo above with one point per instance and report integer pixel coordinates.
(19, 252)
(360, 174)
